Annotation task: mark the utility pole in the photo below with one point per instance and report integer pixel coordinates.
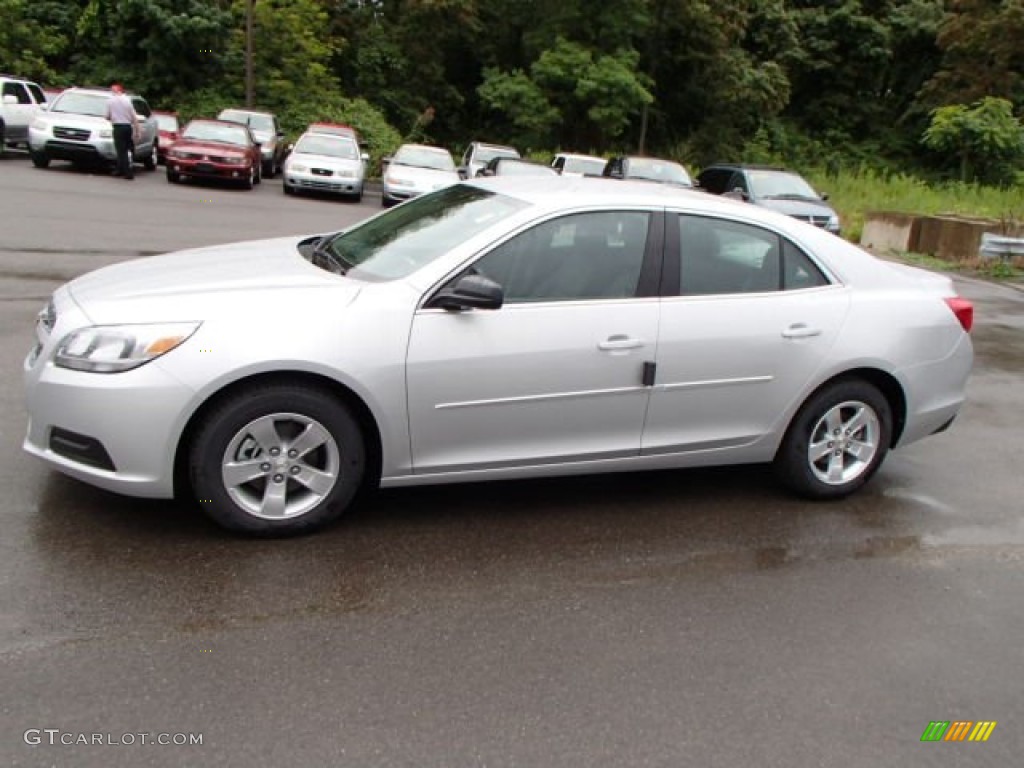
(249, 86)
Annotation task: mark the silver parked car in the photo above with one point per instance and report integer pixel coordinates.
(267, 131)
(415, 169)
(495, 329)
(323, 162)
(75, 128)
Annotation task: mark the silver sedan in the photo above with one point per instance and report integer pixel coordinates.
(499, 328)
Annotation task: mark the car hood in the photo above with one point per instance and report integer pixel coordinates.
(208, 147)
(75, 120)
(797, 207)
(325, 161)
(198, 283)
(423, 178)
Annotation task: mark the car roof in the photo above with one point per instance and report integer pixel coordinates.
(439, 150)
(578, 156)
(749, 167)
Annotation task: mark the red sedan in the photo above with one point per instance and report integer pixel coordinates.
(169, 128)
(215, 149)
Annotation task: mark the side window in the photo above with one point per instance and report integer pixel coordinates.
(583, 256)
(798, 270)
(18, 91)
(737, 181)
(141, 107)
(714, 180)
(719, 257)
(37, 93)
(559, 164)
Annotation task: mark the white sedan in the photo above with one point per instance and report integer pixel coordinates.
(500, 328)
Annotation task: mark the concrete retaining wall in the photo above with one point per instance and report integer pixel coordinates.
(949, 237)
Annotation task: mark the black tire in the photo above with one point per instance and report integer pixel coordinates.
(358, 197)
(173, 177)
(853, 455)
(150, 162)
(3, 138)
(40, 159)
(259, 175)
(250, 181)
(341, 458)
(288, 190)
(268, 169)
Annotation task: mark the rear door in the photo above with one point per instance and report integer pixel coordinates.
(748, 320)
(19, 108)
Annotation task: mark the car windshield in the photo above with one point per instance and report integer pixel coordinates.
(516, 168)
(226, 134)
(593, 166)
(424, 157)
(167, 122)
(94, 104)
(484, 154)
(396, 244)
(779, 184)
(262, 123)
(664, 171)
(329, 146)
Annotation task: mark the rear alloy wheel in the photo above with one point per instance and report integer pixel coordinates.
(277, 460)
(837, 440)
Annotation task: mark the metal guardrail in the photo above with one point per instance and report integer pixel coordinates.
(1003, 247)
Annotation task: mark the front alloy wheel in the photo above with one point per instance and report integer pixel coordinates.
(277, 460)
(837, 440)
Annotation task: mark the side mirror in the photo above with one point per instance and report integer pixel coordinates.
(825, 196)
(485, 172)
(10, 98)
(280, 134)
(470, 292)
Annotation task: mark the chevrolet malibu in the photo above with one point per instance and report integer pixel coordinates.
(494, 329)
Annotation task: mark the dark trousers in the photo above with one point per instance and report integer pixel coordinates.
(123, 145)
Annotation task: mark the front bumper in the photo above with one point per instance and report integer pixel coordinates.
(208, 169)
(63, 148)
(308, 180)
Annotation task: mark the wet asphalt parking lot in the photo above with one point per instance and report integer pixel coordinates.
(698, 618)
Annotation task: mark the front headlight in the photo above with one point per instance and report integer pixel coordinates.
(235, 161)
(106, 133)
(296, 168)
(399, 182)
(40, 125)
(117, 348)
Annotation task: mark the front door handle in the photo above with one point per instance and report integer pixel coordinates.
(619, 343)
(800, 331)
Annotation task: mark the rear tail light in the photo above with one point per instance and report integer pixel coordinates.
(964, 311)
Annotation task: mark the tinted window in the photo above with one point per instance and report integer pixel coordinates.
(720, 256)
(798, 270)
(583, 256)
(141, 107)
(37, 93)
(715, 179)
(18, 91)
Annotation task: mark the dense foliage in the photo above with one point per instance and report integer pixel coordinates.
(897, 83)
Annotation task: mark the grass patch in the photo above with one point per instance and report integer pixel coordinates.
(854, 193)
(989, 269)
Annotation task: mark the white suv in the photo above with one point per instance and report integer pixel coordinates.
(20, 101)
(75, 128)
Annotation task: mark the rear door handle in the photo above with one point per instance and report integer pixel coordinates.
(619, 342)
(800, 331)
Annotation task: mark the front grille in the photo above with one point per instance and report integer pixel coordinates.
(322, 172)
(73, 134)
(312, 184)
(818, 221)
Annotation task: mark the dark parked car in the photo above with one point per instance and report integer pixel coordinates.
(215, 149)
(648, 169)
(779, 189)
(513, 166)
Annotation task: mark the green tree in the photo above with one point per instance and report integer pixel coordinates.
(25, 44)
(985, 138)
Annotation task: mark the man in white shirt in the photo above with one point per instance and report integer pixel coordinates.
(122, 117)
